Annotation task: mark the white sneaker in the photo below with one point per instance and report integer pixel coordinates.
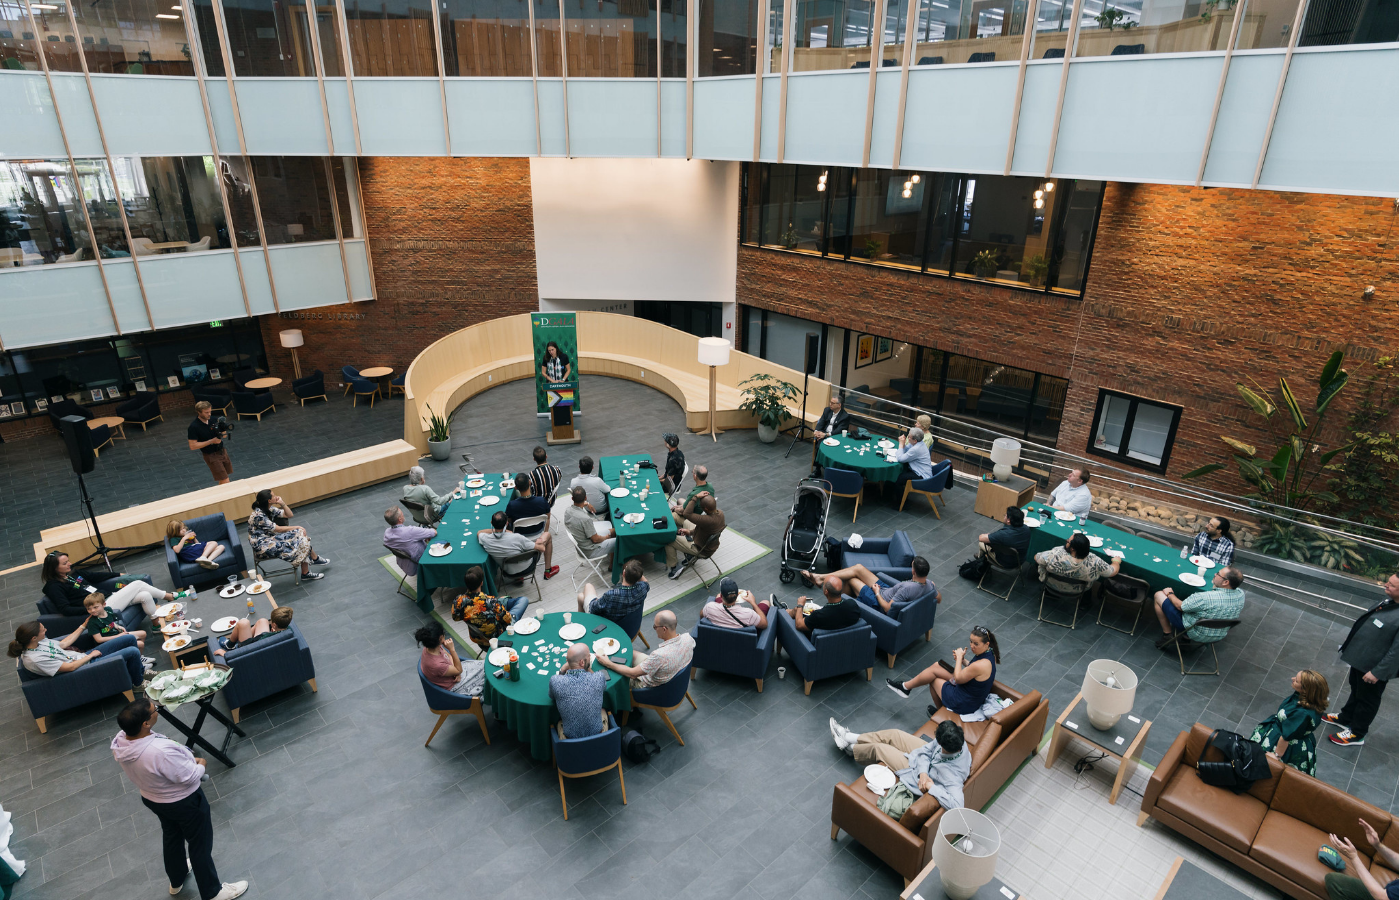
(232, 890)
(843, 737)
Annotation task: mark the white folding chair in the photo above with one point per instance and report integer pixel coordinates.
(524, 526)
(680, 482)
(593, 563)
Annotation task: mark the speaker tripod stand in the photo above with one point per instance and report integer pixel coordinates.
(811, 349)
(101, 550)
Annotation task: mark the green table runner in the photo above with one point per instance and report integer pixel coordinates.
(1158, 565)
(525, 705)
(643, 537)
(459, 525)
(864, 457)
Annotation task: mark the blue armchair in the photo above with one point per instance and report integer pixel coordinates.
(397, 384)
(60, 625)
(745, 652)
(143, 409)
(213, 527)
(444, 703)
(930, 487)
(267, 666)
(219, 399)
(632, 624)
(101, 678)
(895, 632)
(363, 387)
(666, 698)
(349, 374)
(311, 387)
(101, 435)
(581, 757)
(823, 653)
(891, 556)
(845, 483)
(255, 404)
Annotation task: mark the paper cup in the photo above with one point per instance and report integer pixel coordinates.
(510, 629)
(568, 618)
(782, 672)
(1201, 571)
(493, 642)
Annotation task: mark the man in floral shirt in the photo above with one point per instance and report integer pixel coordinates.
(487, 615)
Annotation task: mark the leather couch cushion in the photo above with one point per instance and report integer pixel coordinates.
(1326, 808)
(1012, 717)
(918, 813)
(1233, 819)
(986, 745)
(972, 731)
(1382, 874)
(1289, 847)
(1196, 748)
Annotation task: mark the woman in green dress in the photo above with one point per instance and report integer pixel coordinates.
(1290, 733)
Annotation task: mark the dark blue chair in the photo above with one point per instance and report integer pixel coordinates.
(213, 527)
(1128, 50)
(363, 387)
(1054, 53)
(930, 61)
(310, 387)
(632, 624)
(895, 631)
(101, 435)
(989, 56)
(266, 666)
(143, 409)
(823, 653)
(97, 680)
(581, 757)
(444, 703)
(349, 373)
(861, 64)
(930, 487)
(666, 698)
(255, 404)
(845, 483)
(60, 625)
(745, 652)
(397, 384)
(891, 556)
(219, 399)
(241, 377)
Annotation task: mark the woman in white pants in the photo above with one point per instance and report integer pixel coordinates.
(68, 589)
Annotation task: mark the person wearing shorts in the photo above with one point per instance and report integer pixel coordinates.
(206, 440)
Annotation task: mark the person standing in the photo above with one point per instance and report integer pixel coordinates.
(168, 776)
(674, 471)
(1370, 650)
(209, 441)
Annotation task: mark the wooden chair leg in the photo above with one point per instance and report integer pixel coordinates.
(442, 717)
(480, 714)
(667, 719)
(620, 783)
(889, 659)
(905, 495)
(641, 636)
(562, 799)
(928, 636)
(312, 682)
(870, 673)
(834, 831)
(130, 697)
(234, 713)
(1142, 819)
(933, 506)
(692, 702)
(759, 682)
(807, 688)
(43, 723)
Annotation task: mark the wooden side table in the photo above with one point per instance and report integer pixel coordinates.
(993, 497)
(113, 422)
(262, 384)
(1124, 741)
(1190, 882)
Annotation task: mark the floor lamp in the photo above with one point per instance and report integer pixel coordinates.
(292, 339)
(713, 352)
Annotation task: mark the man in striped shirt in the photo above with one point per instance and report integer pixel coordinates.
(544, 479)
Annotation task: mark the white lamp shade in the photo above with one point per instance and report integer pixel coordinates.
(970, 860)
(714, 351)
(291, 338)
(1006, 451)
(1109, 690)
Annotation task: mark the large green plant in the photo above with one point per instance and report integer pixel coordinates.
(438, 429)
(1365, 480)
(766, 397)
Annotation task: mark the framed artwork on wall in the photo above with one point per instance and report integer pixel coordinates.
(865, 350)
(884, 349)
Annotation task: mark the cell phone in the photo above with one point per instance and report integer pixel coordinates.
(617, 513)
(505, 643)
(619, 660)
(600, 628)
(658, 522)
(499, 673)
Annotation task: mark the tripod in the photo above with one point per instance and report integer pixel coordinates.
(102, 550)
(808, 363)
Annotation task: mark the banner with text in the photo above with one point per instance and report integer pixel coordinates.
(555, 341)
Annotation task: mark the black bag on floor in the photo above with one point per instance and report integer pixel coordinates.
(974, 568)
(834, 547)
(637, 747)
(1245, 762)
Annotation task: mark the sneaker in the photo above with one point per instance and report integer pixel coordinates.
(321, 561)
(553, 570)
(675, 571)
(774, 601)
(1346, 738)
(207, 564)
(186, 594)
(842, 736)
(311, 576)
(1333, 719)
(898, 688)
(232, 890)
(1162, 641)
(148, 660)
(148, 668)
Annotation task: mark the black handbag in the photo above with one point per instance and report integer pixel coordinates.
(1245, 762)
(637, 747)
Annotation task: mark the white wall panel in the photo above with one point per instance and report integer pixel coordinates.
(308, 275)
(150, 115)
(282, 116)
(358, 263)
(886, 119)
(188, 288)
(221, 111)
(673, 117)
(400, 116)
(52, 304)
(79, 123)
(26, 108)
(613, 117)
(126, 294)
(254, 263)
(772, 111)
(551, 116)
(1037, 120)
(342, 125)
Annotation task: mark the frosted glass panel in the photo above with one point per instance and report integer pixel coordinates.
(186, 288)
(1111, 421)
(49, 304)
(31, 128)
(358, 264)
(724, 118)
(768, 128)
(400, 116)
(126, 295)
(342, 126)
(826, 117)
(1037, 118)
(1244, 114)
(886, 119)
(673, 118)
(491, 116)
(79, 124)
(551, 117)
(308, 275)
(612, 117)
(972, 139)
(255, 279)
(151, 116)
(282, 115)
(221, 110)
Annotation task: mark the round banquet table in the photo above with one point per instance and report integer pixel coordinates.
(858, 456)
(525, 705)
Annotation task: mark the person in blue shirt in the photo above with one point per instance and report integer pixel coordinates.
(914, 461)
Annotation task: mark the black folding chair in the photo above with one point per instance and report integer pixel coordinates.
(1180, 636)
(1140, 594)
(994, 565)
(399, 554)
(1069, 590)
(533, 557)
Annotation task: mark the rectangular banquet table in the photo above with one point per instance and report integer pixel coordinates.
(460, 523)
(1158, 565)
(643, 537)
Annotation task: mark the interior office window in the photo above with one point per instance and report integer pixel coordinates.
(1329, 23)
(699, 319)
(726, 37)
(549, 59)
(968, 31)
(828, 35)
(1075, 234)
(675, 31)
(892, 45)
(54, 33)
(751, 189)
(172, 203)
(104, 212)
(196, 354)
(945, 208)
(134, 37)
(69, 371)
(268, 38)
(611, 38)
(785, 341)
(391, 37)
(238, 187)
(41, 220)
(10, 390)
(1051, 35)
(294, 198)
(929, 375)
(347, 196)
(1132, 430)
(792, 208)
(772, 57)
(988, 393)
(1003, 229)
(328, 39)
(751, 337)
(1131, 28)
(891, 216)
(207, 28)
(1266, 24)
(881, 367)
(485, 38)
(839, 186)
(1047, 410)
(19, 46)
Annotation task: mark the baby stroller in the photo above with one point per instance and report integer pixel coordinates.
(806, 527)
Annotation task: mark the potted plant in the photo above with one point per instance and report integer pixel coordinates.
(1037, 267)
(984, 264)
(765, 397)
(439, 435)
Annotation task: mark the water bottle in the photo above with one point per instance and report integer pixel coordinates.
(1184, 551)
(1082, 519)
(252, 611)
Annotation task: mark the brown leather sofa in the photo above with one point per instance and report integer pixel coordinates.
(1273, 830)
(999, 746)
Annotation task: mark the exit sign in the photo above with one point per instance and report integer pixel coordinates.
(217, 323)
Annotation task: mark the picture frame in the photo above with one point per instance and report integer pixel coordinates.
(56, 398)
(141, 386)
(865, 350)
(4, 411)
(173, 380)
(113, 393)
(17, 408)
(214, 374)
(41, 405)
(884, 349)
(96, 395)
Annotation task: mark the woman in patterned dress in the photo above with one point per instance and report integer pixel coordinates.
(1290, 734)
(285, 542)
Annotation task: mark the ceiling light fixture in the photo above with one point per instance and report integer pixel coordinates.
(914, 179)
(42, 6)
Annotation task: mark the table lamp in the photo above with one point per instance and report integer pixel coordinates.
(1109, 690)
(292, 339)
(1006, 453)
(965, 852)
(713, 352)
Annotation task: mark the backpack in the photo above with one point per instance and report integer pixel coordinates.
(834, 548)
(974, 568)
(637, 747)
(1245, 762)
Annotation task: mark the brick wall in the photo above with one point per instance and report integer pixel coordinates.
(452, 243)
(1189, 291)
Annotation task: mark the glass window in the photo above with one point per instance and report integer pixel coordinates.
(792, 208)
(957, 31)
(1048, 409)
(347, 196)
(208, 29)
(269, 38)
(1134, 431)
(11, 392)
(1070, 263)
(69, 371)
(838, 211)
(18, 48)
(1132, 27)
(55, 33)
(699, 319)
(675, 30)
(773, 49)
(881, 367)
(547, 44)
(294, 198)
(891, 215)
(896, 16)
(391, 37)
(1331, 22)
(990, 394)
(785, 341)
(611, 38)
(172, 203)
(104, 212)
(328, 38)
(238, 187)
(41, 221)
(1003, 230)
(1052, 21)
(752, 196)
(134, 37)
(828, 34)
(1267, 24)
(727, 36)
(485, 38)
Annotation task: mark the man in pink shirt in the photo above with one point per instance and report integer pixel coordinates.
(168, 776)
(726, 612)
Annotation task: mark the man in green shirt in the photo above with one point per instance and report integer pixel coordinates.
(679, 509)
(417, 491)
(1224, 601)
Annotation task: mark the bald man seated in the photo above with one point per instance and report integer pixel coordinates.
(578, 693)
(656, 668)
(838, 612)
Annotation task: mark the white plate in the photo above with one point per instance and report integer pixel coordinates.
(168, 610)
(260, 587)
(606, 646)
(499, 657)
(232, 590)
(488, 500)
(831, 442)
(1064, 515)
(1116, 554)
(886, 443)
(224, 625)
(1206, 561)
(619, 492)
(178, 692)
(1192, 579)
(573, 631)
(178, 642)
(633, 518)
(508, 483)
(1094, 540)
(879, 777)
(476, 483)
(176, 627)
(527, 625)
(441, 549)
(1032, 521)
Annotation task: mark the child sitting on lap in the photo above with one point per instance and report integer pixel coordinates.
(190, 548)
(104, 623)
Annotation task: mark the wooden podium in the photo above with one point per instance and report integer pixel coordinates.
(561, 414)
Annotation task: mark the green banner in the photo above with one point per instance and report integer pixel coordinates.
(555, 340)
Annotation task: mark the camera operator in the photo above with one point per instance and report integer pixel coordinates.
(208, 439)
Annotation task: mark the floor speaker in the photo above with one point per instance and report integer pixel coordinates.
(78, 437)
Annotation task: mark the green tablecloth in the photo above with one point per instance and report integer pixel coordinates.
(864, 457)
(1154, 563)
(634, 540)
(525, 705)
(463, 519)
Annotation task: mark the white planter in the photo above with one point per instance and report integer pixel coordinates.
(766, 434)
(441, 450)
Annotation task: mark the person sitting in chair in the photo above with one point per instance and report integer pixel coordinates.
(528, 505)
(656, 668)
(596, 487)
(410, 540)
(245, 632)
(577, 692)
(833, 420)
(725, 610)
(1224, 600)
(835, 615)
(707, 522)
(485, 615)
(1010, 542)
(501, 545)
(417, 491)
(939, 767)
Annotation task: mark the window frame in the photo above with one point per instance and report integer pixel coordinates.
(1122, 455)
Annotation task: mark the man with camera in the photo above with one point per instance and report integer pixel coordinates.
(208, 438)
